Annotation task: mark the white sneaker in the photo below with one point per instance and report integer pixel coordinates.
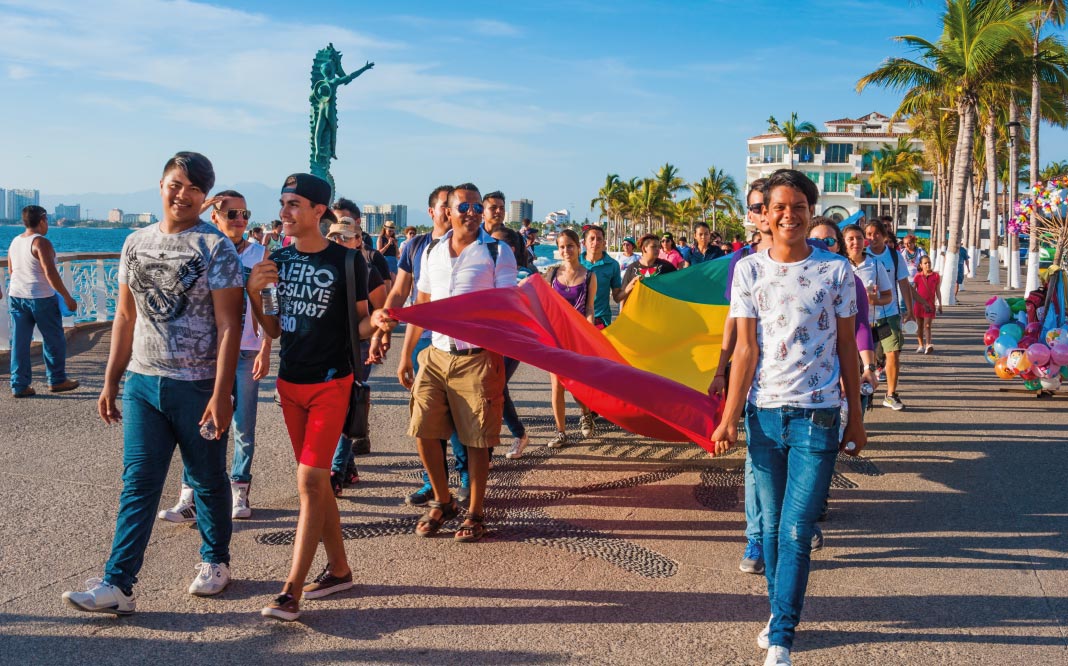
(517, 449)
(586, 425)
(101, 597)
(185, 511)
(778, 656)
(211, 579)
(241, 509)
(558, 441)
(762, 638)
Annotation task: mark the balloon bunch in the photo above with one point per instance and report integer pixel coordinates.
(1049, 203)
(1018, 348)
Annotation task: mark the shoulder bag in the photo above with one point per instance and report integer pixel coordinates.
(356, 421)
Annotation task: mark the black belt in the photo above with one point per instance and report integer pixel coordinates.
(464, 352)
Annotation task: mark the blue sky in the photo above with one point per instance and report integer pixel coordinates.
(539, 99)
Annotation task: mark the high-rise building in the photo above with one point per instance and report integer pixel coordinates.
(3, 203)
(115, 216)
(375, 216)
(139, 219)
(842, 169)
(519, 211)
(69, 213)
(19, 199)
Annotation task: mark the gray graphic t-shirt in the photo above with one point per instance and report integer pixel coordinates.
(171, 277)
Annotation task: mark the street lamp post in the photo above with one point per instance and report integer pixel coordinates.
(1013, 258)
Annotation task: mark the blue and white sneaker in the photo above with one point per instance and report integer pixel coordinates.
(753, 559)
(101, 597)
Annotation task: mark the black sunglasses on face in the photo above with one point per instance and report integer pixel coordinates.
(464, 207)
(755, 207)
(234, 212)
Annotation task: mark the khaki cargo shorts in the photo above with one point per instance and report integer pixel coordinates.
(461, 394)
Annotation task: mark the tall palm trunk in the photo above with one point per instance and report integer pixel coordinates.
(1014, 192)
(1036, 117)
(994, 272)
(962, 173)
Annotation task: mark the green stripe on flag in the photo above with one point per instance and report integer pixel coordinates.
(703, 283)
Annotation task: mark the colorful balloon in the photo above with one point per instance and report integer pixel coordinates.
(1033, 385)
(1013, 330)
(998, 311)
(1053, 335)
(991, 334)
(1038, 353)
(1050, 383)
(1058, 353)
(1004, 344)
(1016, 360)
(1026, 341)
(991, 355)
(1001, 368)
(1034, 329)
(1046, 371)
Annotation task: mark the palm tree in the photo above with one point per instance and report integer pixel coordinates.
(797, 133)
(976, 48)
(720, 188)
(1052, 12)
(647, 201)
(609, 202)
(1052, 170)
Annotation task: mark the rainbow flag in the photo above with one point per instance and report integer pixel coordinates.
(648, 372)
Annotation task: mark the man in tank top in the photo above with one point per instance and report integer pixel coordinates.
(34, 302)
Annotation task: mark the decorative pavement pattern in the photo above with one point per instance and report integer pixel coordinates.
(520, 515)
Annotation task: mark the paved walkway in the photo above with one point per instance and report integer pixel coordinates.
(946, 542)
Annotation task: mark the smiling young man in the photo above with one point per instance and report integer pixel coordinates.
(493, 213)
(315, 375)
(459, 388)
(176, 336)
(230, 214)
(794, 307)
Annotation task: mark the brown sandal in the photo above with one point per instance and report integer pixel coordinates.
(430, 525)
(475, 531)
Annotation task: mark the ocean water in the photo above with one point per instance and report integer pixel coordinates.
(75, 239)
(72, 239)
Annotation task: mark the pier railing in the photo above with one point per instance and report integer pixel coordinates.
(93, 281)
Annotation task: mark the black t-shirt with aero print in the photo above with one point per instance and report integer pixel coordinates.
(314, 313)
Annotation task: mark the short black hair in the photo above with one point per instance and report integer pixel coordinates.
(33, 216)
(196, 167)
(700, 225)
(466, 187)
(515, 241)
(347, 204)
(230, 193)
(795, 180)
(756, 186)
(496, 194)
(276, 224)
(433, 198)
(879, 226)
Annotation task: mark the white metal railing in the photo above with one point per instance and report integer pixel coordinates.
(93, 281)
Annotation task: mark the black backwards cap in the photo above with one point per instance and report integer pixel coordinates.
(312, 188)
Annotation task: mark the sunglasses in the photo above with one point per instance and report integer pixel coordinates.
(234, 212)
(830, 241)
(464, 207)
(755, 207)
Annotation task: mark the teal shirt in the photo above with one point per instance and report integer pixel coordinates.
(608, 278)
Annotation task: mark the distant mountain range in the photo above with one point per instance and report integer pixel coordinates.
(262, 201)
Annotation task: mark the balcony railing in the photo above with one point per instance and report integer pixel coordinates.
(93, 281)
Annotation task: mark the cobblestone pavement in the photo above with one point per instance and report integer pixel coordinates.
(945, 541)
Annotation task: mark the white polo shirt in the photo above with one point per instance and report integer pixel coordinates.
(443, 275)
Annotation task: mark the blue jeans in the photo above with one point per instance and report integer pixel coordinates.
(511, 416)
(459, 451)
(157, 414)
(752, 504)
(793, 452)
(44, 314)
(343, 454)
(246, 400)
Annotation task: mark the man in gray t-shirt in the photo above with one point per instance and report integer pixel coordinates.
(175, 342)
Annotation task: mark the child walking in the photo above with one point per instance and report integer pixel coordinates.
(928, 297)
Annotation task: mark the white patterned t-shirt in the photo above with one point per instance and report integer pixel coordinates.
(796, 307)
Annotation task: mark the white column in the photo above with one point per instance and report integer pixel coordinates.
(100, 291)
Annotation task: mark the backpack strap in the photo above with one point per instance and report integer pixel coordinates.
(353, 257)
(550, 275)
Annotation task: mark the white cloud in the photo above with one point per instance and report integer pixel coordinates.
(225, 63)
(18, 72)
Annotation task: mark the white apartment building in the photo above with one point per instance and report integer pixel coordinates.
(832, 165)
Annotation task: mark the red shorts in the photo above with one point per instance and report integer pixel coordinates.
(315, 415)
